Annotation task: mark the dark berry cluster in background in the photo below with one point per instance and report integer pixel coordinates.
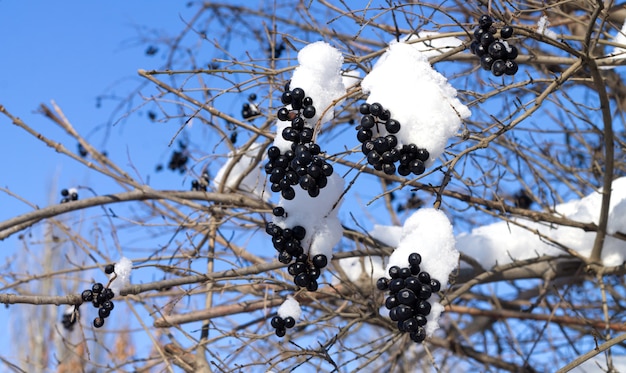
(178, 160)
(201, 183)
(302, 165)
(68, 195)
(496, 55)
(281, 325)
(382, 151)
(101, 298)
(250, 109)
(409, 290)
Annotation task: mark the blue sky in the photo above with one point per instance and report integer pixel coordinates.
(71, 52)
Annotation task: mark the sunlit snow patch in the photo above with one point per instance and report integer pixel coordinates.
(417, 96)
(620, 52)
(290, 307)
(319, 75)
(428, 232)
(542, 28)
(501, 242)
(317, 215)
(433, 47)
(121, 272)
(253, 181)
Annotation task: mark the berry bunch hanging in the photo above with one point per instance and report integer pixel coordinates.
(377, 134)
(101, 298)
(286, 241)
(496, 55)
(305, 271)
(69, 195)
(409, 290)
(282, 324)
(301, 165)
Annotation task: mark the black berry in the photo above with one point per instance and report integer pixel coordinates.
(87, 296)
(97, 287)
(290, 322)
(320, 261)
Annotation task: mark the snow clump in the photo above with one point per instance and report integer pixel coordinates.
(542, 28)
(317, 215)
(253, 182)
(122, 270)
(290, 307)
(428, 232)
(319, 74)
(434, 47)
(421, 99)
(501, 243)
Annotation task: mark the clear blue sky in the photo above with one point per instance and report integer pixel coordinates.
(71, 52)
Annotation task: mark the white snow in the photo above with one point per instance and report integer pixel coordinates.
(317, 215)
(433, 47)
(253, 182)
(290, 307)
(351, 267)
(500, 243)
(620, 38)
(122, 270)
(598, 364)
(542, 28)
(351, 78)
(421, 99)
(374, 268)
(319, 74)
(390, 235)
(428, 232)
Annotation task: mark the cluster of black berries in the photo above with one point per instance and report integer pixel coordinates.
(305, 274)
(69, 195)
(302, 165)
(101, 298)
(305, 271)
(250, 109)
(409, 289)
(382, 152)
(201, 183)
(278, 50)
(496, 55)
(281, 325)
(414, 202)
(286, 241)
(178, 160)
